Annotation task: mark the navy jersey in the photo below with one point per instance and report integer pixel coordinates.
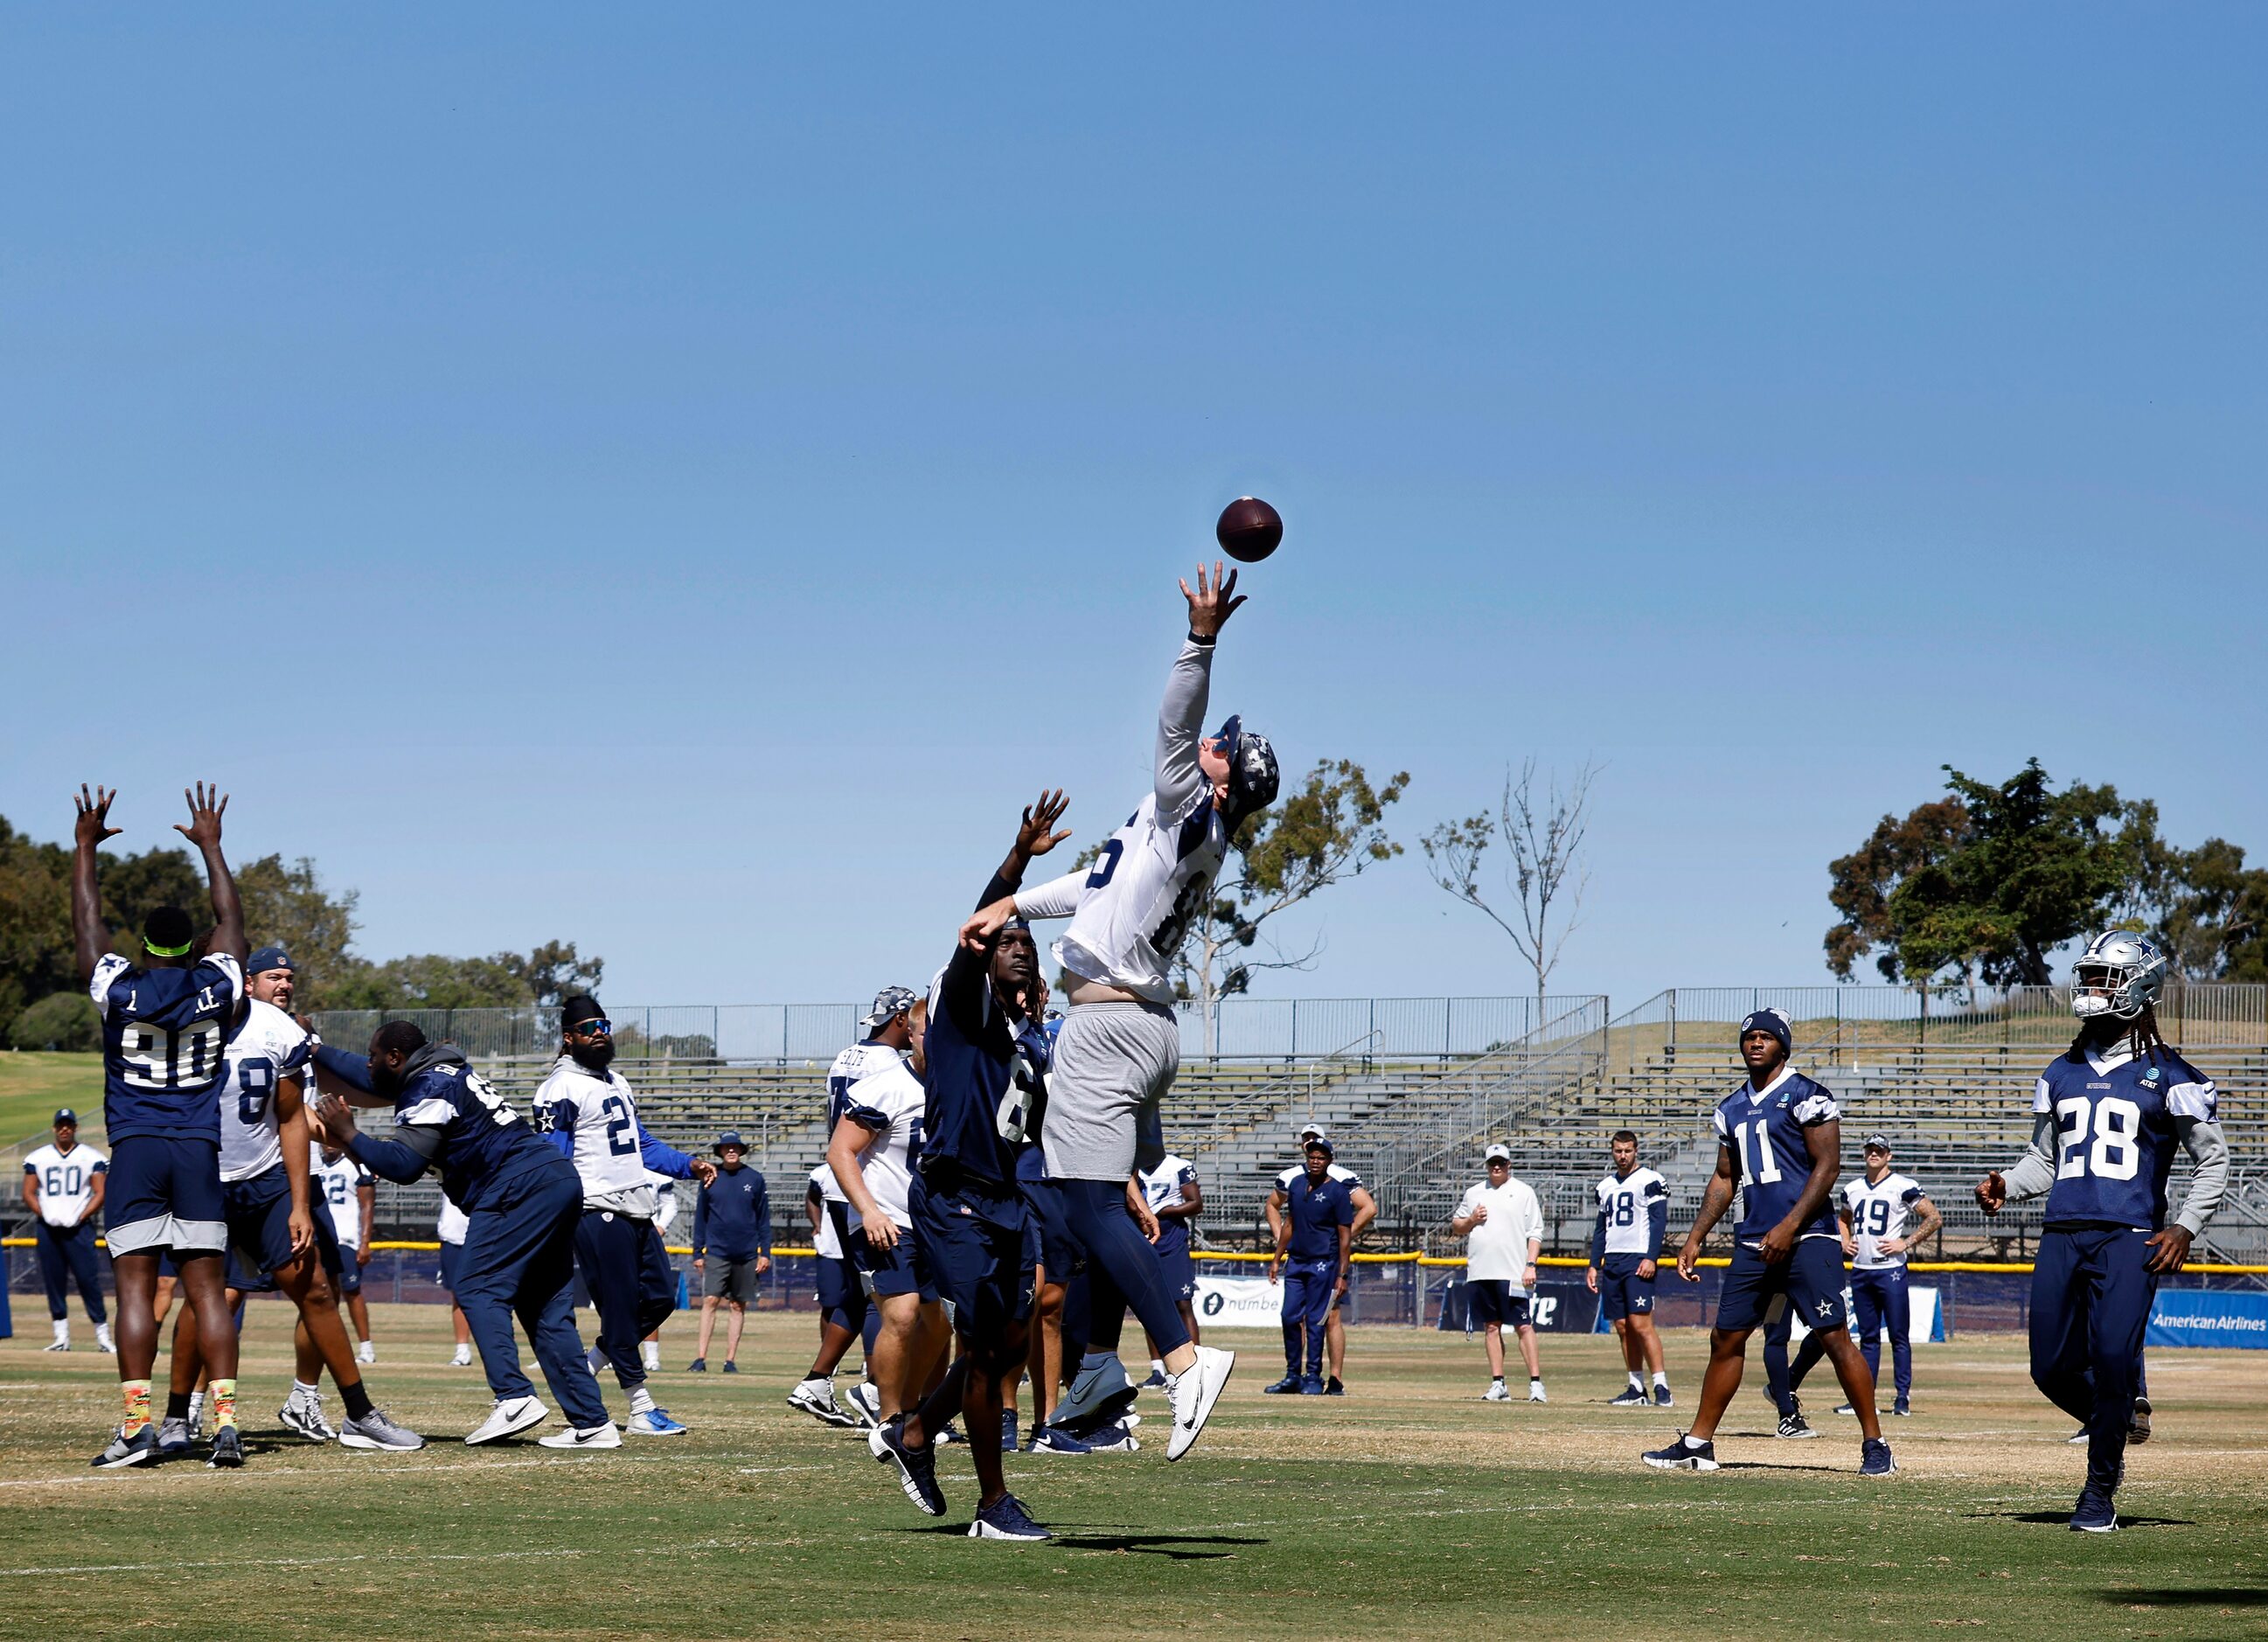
(2115, 1133)
(483, 1139)
(986, 1075)
(164, 1037)
(1766, 1128)
(1316, 1213)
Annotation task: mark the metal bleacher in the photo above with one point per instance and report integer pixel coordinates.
(1952, 1089)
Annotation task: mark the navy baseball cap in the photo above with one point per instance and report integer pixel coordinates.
(1317, 1142)
(729, 1138)
(64, 1114)
(269, 958)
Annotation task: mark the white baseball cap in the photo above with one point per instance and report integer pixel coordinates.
(1315, 1131)
(1499, 1153)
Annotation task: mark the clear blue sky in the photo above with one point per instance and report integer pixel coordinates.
(677, 480)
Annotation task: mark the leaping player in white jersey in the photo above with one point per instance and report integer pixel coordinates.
(1121, 1044)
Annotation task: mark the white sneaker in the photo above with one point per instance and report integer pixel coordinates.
(1535, 1392)
(1496, 1393)
(511, 1414)
(61, 1341)
(595, 1436)
(463, 1359)
(103, 1341)
(1193, 1393)
(367, 1352)
(304, 1416)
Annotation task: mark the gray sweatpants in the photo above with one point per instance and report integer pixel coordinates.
(1114, 1063)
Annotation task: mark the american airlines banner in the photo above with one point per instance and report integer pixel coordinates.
(2209, 1317)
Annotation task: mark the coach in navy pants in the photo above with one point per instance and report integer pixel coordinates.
(1878, 1298)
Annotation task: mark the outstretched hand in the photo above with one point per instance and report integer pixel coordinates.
(93, 825)
(977, 933)
(704, 1171)
(205, 811)
(1032, 837)
(1211, 604)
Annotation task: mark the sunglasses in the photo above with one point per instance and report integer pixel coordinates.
(600, 1028)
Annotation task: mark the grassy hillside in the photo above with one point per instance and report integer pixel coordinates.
(33, 1085)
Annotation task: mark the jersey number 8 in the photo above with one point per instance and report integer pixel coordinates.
(2113, 1154)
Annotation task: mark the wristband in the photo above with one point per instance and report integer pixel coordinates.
(1198, 639)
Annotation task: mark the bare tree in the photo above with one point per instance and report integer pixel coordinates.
(1543, 835)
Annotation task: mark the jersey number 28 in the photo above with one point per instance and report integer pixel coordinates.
(2112, 1153)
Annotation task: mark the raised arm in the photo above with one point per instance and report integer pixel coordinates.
(1181, 720)
(1035, 836)
(89, 933)
(206, 807)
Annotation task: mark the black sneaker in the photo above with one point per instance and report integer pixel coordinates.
(699, 1366)
(1631, 1397)
(1287, 1386)
(2097, 1513)
(1333, 1388)
(2138, 1430)
(1792, 1424)
(124, 1450)
(917, 1467)
(1680, 1456)
(1874, 1459)
(1006, 1519)
(1662, 1399)
(227, 1449)
(1899, 1410)
(731, 1367)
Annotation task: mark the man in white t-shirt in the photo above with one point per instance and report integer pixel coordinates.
(871, 1152)
(63, 1185)
(1503, 1226)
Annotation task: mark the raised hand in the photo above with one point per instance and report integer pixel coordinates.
(93, 825)
(1032, 837)
(1211, 604)
(205, 811)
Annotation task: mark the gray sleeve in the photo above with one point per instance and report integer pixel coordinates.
(2034, 1172)
(2208, 1150)
(1180, 723)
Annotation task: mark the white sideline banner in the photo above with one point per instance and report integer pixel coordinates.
(1921, 1310)
(1239, 1303)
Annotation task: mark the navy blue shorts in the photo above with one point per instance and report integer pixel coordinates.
(1059, 1250)
(165, 1193)
(974, 1245)
(348, 1278)
(1809, 1282)
(1622, 1292)
(838, 1285)
(259, 1214)
(1178, 1271)
(451, 1254)
(1491, 1300)
(892, 1270)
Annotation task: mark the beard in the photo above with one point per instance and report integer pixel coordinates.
(597, 1058)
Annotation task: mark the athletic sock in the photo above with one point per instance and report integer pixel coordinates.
(1637, 1384)
(138, 1405)
(357, 1399)
(1661, 1380)
(641, 1401)
(1692, 1441)
(302, 1392)
(196, 1409)
(62, 1330)
(223, 1401)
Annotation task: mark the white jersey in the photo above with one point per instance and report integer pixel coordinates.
(1878, 1213)
(597, 1108)
(890, 1103)
(664, 1199)
(268, 1047)
(338, 1188)
(1130, 912)
(1627, 1200)
(450, 1228)
(66, 1181)
(824, 1243)
(1496, 1250)
(860, 1060)
(1162, 1186)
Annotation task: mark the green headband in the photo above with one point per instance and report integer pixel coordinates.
(155, 951)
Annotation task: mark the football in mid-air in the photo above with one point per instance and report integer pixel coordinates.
(1249, 530)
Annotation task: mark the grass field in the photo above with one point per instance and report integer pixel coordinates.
(1410, 1509)
(33, 1084)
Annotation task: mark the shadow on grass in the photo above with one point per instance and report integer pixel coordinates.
(2204, 1597)
(1174, 1547)
(2059, 1519)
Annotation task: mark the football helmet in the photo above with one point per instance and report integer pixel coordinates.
(2120, 975)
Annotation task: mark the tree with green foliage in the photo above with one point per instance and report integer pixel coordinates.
(1331, 829)
(1986, 884)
